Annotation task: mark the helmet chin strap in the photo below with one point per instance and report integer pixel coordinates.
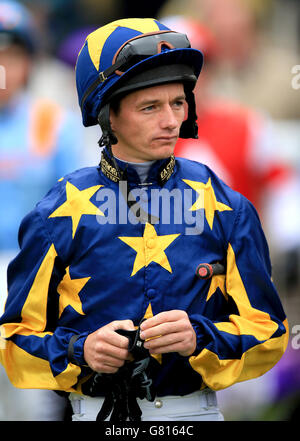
(108, 138)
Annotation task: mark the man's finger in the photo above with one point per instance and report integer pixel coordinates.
(161, 329)
(161, 341)
(109, 335)
(115, 351)
(162, 317)
(122, 324)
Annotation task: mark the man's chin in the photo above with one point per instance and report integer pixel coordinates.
(161, 155)
(163, 151)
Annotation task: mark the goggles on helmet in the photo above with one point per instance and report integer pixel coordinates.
(144, 46)
(138, 49)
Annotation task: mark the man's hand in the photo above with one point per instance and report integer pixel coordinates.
(105, 351)
(169, 331)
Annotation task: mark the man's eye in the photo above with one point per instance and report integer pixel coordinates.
(148, 108)
(179, 103)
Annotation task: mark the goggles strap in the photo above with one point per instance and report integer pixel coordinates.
(100, 79)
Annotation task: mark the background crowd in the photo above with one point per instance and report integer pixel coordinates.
(248, 102)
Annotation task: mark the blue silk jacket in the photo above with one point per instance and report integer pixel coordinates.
(87, 259)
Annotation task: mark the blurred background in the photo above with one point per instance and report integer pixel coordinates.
(248, 102)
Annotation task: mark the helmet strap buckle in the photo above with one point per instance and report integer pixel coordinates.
(102, 77)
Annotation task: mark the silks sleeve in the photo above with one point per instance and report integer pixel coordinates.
(33, 351)
(250, 338)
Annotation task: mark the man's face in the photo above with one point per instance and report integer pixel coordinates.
(148, 122)
(16, 63)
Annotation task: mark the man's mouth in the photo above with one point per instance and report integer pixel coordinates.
(166, 138)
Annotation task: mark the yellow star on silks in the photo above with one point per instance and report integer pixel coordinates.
(207, 200)
(69, 290)
(150, 248)
(77, 204)
(217, 281)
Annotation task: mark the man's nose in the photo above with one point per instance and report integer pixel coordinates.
(168, 120)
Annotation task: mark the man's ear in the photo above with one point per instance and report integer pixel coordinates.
(112, 119)
(114, 110)
(105, 117)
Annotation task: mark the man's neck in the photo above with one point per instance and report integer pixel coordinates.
(142, 168)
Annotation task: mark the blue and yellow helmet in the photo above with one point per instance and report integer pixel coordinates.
(17, 26)
(128, 54)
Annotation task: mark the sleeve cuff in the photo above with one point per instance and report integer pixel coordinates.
(75, 349)
(201, 338)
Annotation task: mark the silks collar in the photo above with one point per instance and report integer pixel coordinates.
(162, 169)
